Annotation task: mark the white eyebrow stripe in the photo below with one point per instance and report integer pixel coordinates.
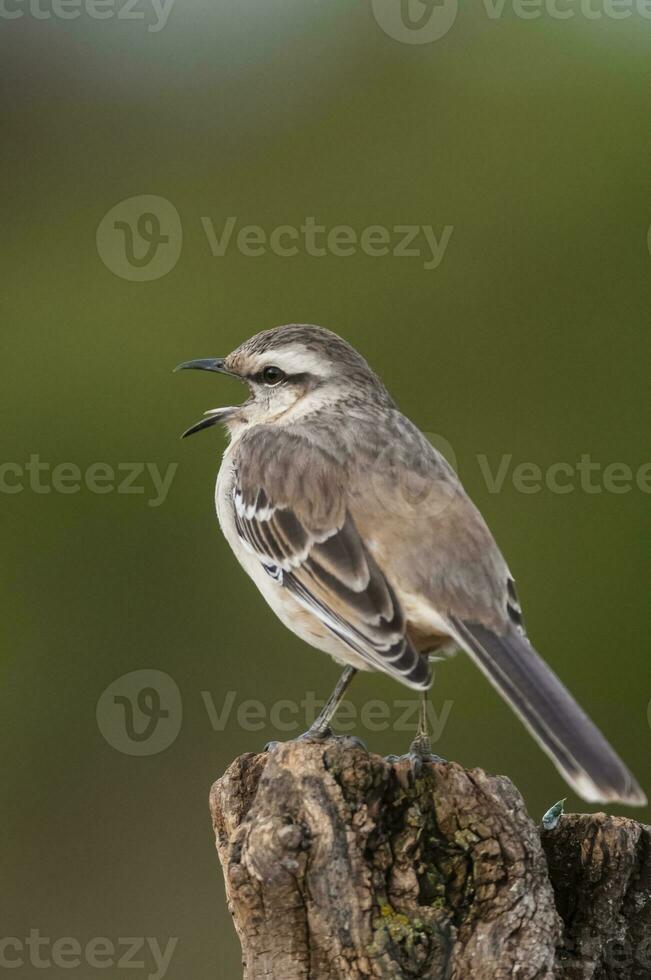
(292, 360)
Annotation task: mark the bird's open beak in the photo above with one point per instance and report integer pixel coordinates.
(215, 415)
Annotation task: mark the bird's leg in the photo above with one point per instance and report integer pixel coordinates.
(421, 745)
(320, 728)
(420, 749)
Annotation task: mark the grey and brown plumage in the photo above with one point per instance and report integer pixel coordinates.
(362, 539)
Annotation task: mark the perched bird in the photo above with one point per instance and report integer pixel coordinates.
(362, 540)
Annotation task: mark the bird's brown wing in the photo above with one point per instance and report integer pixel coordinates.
(411, 509)
(291, 513)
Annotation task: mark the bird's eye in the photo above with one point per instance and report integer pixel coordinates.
(272, 375)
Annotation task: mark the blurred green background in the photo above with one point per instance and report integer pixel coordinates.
(531, 338)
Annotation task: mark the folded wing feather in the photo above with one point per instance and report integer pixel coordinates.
(313, 549)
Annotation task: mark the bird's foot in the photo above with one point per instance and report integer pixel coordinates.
(320, 734)
(317, 733)
(422, 748)
(420, 753)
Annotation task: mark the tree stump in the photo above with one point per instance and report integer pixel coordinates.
(342, 865)
(600, 870)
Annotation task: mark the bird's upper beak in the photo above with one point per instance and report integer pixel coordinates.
(204, 364)
(215, 415)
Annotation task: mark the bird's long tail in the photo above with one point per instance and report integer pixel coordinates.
(575, 745)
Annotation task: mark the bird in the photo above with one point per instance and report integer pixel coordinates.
(362, 539)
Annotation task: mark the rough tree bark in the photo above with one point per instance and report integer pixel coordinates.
(340, 865)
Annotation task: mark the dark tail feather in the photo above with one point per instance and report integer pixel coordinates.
(576, 746)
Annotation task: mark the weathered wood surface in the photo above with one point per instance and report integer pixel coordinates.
(340, 865)
(600, 870)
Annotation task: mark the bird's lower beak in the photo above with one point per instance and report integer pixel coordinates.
(215, 415)
(212, 417)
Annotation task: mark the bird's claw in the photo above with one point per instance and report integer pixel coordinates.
(321, 735)
(420, 753)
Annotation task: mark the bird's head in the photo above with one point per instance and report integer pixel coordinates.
(291, 371)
